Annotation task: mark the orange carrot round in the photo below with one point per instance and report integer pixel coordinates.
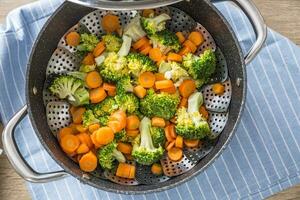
(85, 138)
(179, 142)
(132, 133)
(155, 54)
(170, 90)
(73, 39)
(93, 127)
(170, 145)
(77, 116)
(93, 79)
(132, 122)
(185, 50)
(110, 23)
(109, 87)
(158, 122)
(175, 154)
(148, 12)
(159, 77)
(124, 148)
(73, 127)
(163, 84)
(183, 102)
(191, 143)
(191, 45)
(88, 162)
(172, 131)
(89, 59)
(196, 38)
(168, 134)
(138, 44)
(156, 169)
(174, 57)
(125, 170)
(218, 88)
(97, 95)
(119, 116)
(147, 79)
(80, 128)
(99, 49)
(104, 135)
(203, 112)
(145, 50)
(139, 91)
(83, 148)
(63, 132)
(69, 143)
(93, 138)
(180, 36)
(115, 126)
(187, 88)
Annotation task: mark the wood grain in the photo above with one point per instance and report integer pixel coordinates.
(280, 15)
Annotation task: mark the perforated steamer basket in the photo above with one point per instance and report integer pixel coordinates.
(51, 55)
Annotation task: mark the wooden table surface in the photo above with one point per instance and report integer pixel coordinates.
(280, 15)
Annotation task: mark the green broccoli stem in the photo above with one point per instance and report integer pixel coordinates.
(194, 102)
(146, 139)
(119, 156)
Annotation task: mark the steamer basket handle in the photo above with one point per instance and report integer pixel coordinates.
(15, 158)
(258, 24)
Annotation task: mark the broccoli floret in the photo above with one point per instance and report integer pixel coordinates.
(126, 45)
(70, 88)
(134, 29)
(139, 63)
(154, 24)
(87, 42)
(166, 41)
(87, 68)
(106, 107)
(103, 120)
(124, 85)
(128, 102)
(77, 74)
(108, 154)
(89, 118)
(172, 70)
(159, 105)
(158, 136)
(112, 42)
(123, 137)
(200, 67)
(190, 123)
(113, 68)
(143, 150)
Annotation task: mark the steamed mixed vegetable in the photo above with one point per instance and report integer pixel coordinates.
(135, 95)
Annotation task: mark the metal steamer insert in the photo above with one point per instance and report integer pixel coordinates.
(64, 59)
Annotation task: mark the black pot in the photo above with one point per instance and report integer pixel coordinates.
(69, 14)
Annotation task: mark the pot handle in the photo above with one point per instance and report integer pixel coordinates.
(257, 21)
(15, 158)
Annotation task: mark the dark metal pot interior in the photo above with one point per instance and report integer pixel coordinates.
(68, 15)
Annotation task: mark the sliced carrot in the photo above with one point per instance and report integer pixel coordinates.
(72, 109)
(88, 162)
(69, 143)
(218, 88)
(183, 102)
(139, 91)
(168, 134)
(89, 59)
(119, 116)
(83, 148)
(156, 169)
(147, 79)
(125, 170)
(73, 127)
(157, 121)
(167, 143)
(170, 90)
(179, 142)
(132, 133)
(180, 36)
(155, 54)
(80, 128)
(159, 77)
(109, 87)
(115, 126)
(196, 38)
(187, 87)
(175, 154)
(191, 143)
(138, 44)
(163, 84)
(77, 116)
(132, 122)
(172, 131)
(97, 95)
(85, 138)
(173, 120)
(93, 127)
(145, 51)
(124, 148)
(185, 50)
(99, 49)
(110, 23)
(63, 132)
(174, 57)
(170, 145)
(104, 135)
(148, 13)
(73, 39)
(111, 93)
(163, 58)
(93, 79)
(191, 45)
(203, 112)
(93, 138)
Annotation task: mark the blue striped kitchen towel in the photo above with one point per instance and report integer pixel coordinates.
(262, 159)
